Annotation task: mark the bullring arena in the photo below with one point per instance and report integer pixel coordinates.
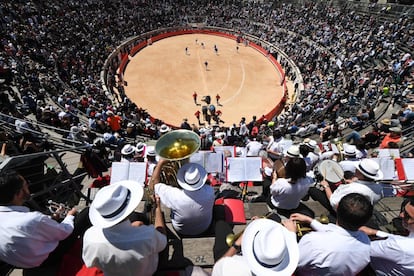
(163, 76)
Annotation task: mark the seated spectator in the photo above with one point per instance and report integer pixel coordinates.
(394, 136)
(336, 249)
(394, 255)
(117, 244)
(191, 202)
(32, 240)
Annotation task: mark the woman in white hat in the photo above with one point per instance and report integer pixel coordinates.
(286, 193)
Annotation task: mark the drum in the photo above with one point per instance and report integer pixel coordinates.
(329, 170)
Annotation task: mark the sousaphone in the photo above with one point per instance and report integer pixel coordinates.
(176, 146)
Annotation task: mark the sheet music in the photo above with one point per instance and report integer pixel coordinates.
(387, 166)
(253, 169)
(129, 171)
(138, 172)
(213, 162)
(226, 149)
(408, 164)
(393, 153)
(244, 169)
(119, 171)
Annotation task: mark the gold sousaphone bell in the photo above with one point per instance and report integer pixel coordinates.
(176, 146)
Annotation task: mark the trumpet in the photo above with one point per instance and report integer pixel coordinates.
(231, 238)
(302, 230)
(58, 209)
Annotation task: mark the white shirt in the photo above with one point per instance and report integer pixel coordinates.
(332, 250)
(27, 238)
(191, 211)
(286, 195)
(393, 256)
(371, 190)
(123, 249)
(253, 148)
(228, 266)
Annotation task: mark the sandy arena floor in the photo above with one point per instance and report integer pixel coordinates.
(162, 79)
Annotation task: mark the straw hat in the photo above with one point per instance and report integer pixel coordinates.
(312, 144)
(191, 176)
(115, 202)
(386, 121)
(269, 248)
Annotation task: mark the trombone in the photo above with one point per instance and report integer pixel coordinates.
(301, 230)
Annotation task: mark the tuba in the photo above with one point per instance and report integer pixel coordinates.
(176, 146)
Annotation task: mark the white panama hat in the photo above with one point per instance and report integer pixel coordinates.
(128, 149)
(293, 151)
(191, 176)
(370, 169)
(115, 202)
(164, 128)
(269, 248)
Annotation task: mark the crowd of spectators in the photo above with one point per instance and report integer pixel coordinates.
(52, 55)
(348, 61)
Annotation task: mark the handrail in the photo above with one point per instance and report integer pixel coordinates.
(11, 160)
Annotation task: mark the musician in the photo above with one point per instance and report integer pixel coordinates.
(307, 149)
(395, 254)
(350, 160)
(366, 174)
(267, 248)
(31, 239)
(286, 193)
(336, 249)
(127, 153)
(117, 243)
(191, 204)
